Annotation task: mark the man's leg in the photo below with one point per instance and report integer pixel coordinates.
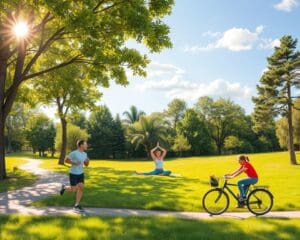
(71, 189)
(79, 193)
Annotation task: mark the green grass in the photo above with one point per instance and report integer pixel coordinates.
(17, 178)
(134, 228)
(112, 183)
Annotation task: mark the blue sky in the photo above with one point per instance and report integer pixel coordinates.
(219, 49)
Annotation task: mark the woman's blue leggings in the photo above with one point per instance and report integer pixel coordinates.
(244, 184)
(158, 172)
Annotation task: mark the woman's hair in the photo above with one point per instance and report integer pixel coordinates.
(244, 158)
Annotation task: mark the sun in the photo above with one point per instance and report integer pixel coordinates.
(21, 29)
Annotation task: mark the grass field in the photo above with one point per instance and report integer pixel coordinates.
(16, 178)
(16, 227)
(113, 184)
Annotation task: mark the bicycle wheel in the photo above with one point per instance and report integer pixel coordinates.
(260, 201)
(215, 201)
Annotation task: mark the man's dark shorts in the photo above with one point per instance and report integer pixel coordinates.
(76, 178)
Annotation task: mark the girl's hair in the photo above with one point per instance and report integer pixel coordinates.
(244, 158)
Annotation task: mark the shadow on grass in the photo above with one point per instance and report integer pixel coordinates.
(17, 179)
(15, 227)
(108, 187)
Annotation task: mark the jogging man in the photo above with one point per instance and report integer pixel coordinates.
(77, 159)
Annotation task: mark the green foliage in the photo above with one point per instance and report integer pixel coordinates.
(224, 118)
(147, 131)
(175, 111)
(196, 132)
(79, 119)
(106, 134)
(74, 134)
(40, 133)
(275, 88)
(133, 115)
(232, 143)
(15, 127)
(282, 127)
(181, 144)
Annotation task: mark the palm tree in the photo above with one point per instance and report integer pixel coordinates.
(146, 132)
(133, 115)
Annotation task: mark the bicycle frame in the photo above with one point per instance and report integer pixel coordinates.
(225, 186)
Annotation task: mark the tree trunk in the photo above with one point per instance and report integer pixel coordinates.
(219, 148)
(291, 129)
(2, 150)
(63, 149)
(3, 72)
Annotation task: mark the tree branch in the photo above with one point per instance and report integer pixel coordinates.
(72, 60)
(98, 5)
(42, 48)
(111, 6)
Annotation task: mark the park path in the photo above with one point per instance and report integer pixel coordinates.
(49, 182)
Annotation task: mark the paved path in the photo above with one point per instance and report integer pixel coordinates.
(17, 201)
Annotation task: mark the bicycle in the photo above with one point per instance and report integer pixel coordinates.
(216, 201)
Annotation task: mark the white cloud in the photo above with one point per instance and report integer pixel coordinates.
(157, 70)
(269, 43)
(211, 34)
(177, 86)
(234, 39)
(286, 5)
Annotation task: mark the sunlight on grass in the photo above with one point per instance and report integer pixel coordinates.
(131, 228)
(17, 178)
(113, 184)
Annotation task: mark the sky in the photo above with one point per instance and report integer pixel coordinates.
(219, 50)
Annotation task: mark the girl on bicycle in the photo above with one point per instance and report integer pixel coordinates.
(158, 154)
(244, 183)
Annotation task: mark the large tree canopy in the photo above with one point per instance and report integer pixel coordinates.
(92, 33)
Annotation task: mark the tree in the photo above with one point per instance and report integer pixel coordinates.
(175, 111)
(233, 143)
(79, 119)
(40, 133)
(282, 132)
(74, 134)
(282, 127)
(196, 132)
(15, 126)
(133, 115)
(90, 33)
(146, 132)
(119, 141)
(71, 92)
(275, 88)
(106, 134)
(224, 118)
(181, 144)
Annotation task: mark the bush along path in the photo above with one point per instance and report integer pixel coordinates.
(49, 182)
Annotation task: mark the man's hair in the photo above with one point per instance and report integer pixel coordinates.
(80, 142)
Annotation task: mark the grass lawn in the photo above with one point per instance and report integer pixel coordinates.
(17, 227)
(113, 184)
(16, 178)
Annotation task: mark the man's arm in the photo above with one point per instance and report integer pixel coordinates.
(86, 162)
(69, 161)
